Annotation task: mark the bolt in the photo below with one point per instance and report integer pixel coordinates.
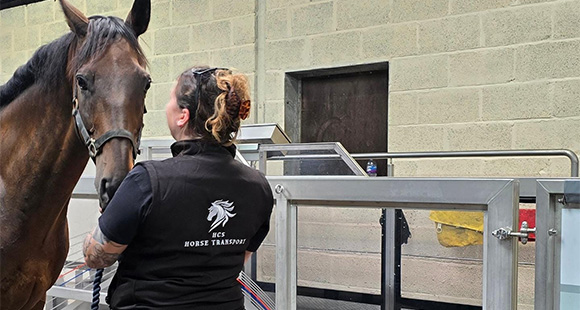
(279, 189)
(552, 232)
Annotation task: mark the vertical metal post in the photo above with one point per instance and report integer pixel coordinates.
(285, 251)
(263, 155)
(500, 257)
(388, 285)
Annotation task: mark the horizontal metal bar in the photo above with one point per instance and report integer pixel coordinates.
(74, 293)
(407, 155)
(389, 192)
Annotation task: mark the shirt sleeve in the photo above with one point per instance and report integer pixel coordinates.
(262, 232)
(259, 237)
(120, 221)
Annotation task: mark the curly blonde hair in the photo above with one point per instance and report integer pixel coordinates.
(223, 100)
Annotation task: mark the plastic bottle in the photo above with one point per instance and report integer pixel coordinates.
(371, 168)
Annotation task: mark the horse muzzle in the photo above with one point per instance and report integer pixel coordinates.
(107, 188)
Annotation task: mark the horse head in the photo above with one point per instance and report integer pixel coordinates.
(107, 70)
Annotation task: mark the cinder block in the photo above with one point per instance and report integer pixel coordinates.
(341, 237)
(146, 43)
(173, 40)
(11, 61)
(548, 134)
(520, 2)
(240, 58)
(567, 20)
(183, 62)
(567, 98)
(161, 96)
(97, 7)
(457, 105)
(466, 6)
(442, 280)
(277, 24)
(439, 168)
(274, 85)
(274, 4)
(50, 32)
(311, 19)
(40, 12)
(419, 72)
(336, 48)
(449, 34)
(482, 67)
(518, 101)
(6, 41)
(211, 35)
(548, 60)
(186, 12)
(403, 108)
(274, 112)
(480, 136)
(390, 41)
(155, 124)
(160, 68)
(13, 17)
(29, 39)
(286, 54)
(520, 167)
(406, 10)
(361, 13)
(338, 215)
(243, 30)
(525, 24)
(227, 8)
(416, 138)
(160, 15)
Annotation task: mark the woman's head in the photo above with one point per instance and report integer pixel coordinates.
(208, 103)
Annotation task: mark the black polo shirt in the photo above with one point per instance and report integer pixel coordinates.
(187, 221)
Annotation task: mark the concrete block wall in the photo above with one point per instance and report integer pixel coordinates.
(464, 75)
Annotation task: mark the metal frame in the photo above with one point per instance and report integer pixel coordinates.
(336, 147)
(498, 198)
(548, 243)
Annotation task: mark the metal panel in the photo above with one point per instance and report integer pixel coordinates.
(548, 227)
(498, 197)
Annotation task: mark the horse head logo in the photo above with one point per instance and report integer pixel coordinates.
(221, 210)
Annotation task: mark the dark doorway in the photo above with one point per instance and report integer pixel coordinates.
(348, 108)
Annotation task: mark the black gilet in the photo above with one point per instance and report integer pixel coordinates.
(206, 211)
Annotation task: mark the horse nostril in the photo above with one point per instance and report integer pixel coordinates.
(104, 196)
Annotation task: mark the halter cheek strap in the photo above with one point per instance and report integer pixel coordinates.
(95, 145)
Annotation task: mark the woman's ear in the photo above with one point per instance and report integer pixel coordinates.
(183, 118)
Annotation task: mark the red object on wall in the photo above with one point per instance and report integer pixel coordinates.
(528, 215)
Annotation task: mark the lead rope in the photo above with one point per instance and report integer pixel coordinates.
(97, 289)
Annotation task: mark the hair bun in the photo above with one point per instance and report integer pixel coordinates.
(244, 109)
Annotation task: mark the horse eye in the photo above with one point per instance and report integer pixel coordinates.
(148, 85)
(82, 82)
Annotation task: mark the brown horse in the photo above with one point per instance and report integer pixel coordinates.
(97, 72)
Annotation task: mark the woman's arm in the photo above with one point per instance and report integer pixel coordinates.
(99, 251)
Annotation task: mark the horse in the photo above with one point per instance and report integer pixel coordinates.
(221, 211)
(81, 96)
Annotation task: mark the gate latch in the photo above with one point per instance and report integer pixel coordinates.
(523, 234)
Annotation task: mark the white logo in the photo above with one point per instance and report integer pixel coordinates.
(221, 210)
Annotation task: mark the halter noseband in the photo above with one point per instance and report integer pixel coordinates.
(95, 145)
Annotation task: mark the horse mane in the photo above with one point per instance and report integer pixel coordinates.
(48, 66)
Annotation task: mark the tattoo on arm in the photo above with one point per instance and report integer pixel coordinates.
(99, 251)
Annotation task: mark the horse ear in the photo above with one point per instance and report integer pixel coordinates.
(138, 18)
(76, 20)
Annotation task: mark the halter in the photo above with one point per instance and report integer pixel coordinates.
(95, 145)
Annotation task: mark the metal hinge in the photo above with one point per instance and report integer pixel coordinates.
(523, 234)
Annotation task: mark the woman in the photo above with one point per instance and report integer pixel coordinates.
(186, 225)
